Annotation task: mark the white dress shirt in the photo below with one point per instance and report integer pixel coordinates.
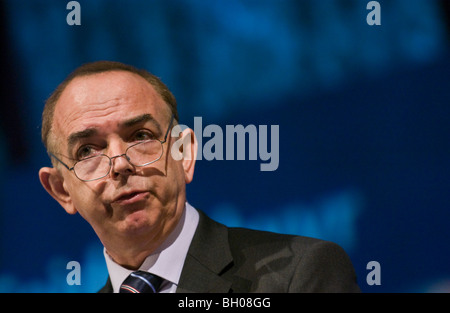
(168, 260)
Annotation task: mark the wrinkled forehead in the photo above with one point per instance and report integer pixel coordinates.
(105, 99)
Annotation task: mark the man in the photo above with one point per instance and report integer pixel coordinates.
(107, 129)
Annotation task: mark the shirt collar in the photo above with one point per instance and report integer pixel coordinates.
(168, 260)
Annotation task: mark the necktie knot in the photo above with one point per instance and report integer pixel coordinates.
(141, 282)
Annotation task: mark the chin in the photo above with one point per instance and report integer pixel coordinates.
(136, 222)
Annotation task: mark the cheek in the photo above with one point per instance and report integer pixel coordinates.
(175, 176)
(167, 174)
(167, 188)
(86, 201)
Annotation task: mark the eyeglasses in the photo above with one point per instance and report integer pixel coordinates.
(140, 154)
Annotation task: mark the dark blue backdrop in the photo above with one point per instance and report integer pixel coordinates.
(363, 113)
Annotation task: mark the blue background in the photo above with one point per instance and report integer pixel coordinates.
(363, 113)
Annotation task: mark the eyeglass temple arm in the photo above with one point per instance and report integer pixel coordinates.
(168, 129)
(52, 155)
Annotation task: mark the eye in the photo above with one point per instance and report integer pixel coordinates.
(86, 152)
(142, 135)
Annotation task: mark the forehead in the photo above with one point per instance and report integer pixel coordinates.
(105, 99)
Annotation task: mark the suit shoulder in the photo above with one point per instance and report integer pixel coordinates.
(245, 237)
(305, 264)
(302, 248)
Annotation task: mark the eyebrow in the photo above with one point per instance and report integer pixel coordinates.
(77, 136)
(140, 119)
(90, 132)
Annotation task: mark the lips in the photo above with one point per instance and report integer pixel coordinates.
(130, 197)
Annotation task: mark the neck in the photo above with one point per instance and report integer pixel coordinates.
(131, 261)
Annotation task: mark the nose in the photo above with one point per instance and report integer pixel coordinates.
(121, 166)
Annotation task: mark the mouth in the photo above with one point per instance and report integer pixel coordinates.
(130, 197)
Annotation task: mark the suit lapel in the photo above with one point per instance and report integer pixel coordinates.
(208, 257)
(107, 288)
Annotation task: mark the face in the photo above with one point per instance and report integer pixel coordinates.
(133, 208)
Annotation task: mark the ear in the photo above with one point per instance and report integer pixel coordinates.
(189, 152)
(53, 182)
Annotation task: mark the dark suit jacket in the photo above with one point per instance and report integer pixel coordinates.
(222, 259)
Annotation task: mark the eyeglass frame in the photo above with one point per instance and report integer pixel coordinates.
(117, 156)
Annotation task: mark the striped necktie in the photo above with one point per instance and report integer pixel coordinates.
(141, 282)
